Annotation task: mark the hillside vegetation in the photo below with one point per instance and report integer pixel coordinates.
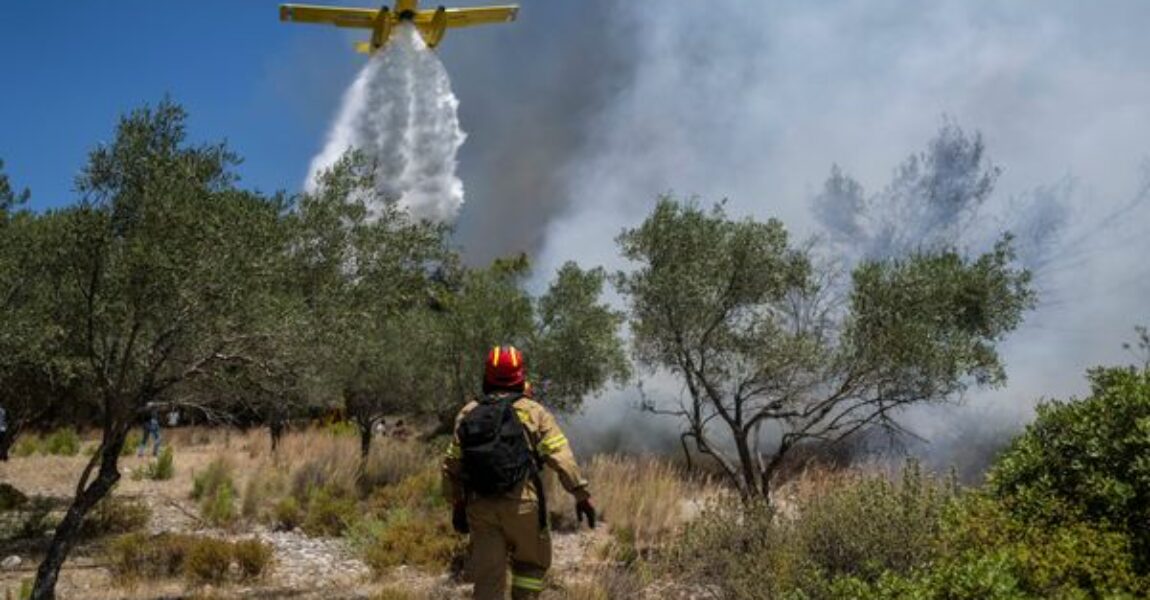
(166, 288)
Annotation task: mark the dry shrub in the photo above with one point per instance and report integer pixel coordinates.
(138, 556)
(410, 525)
(424, 541)
(600, 584)
(838, 525)
(421, 491)
(219, 473)
(115, 515)
(319, 460)
(265, 486)
(288, 514)
(391, 461)
(253, 557)
(640, 499)
(207, 560)
(329, 513)
(215, 488)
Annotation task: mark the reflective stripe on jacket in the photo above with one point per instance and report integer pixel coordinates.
(545, 438)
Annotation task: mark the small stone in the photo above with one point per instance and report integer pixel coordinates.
(12, 562)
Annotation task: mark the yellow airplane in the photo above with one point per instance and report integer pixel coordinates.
(432, 24)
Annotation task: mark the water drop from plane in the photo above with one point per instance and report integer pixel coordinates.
(402, 114)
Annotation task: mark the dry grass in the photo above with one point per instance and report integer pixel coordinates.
(643, 501)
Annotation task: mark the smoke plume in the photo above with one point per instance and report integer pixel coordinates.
(402, 114)
(760, 109)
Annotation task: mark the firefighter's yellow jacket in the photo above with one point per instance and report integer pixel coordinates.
(543, 435)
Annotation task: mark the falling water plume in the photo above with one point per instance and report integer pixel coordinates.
(402, 115)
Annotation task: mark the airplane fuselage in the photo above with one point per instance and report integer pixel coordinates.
(431, 23)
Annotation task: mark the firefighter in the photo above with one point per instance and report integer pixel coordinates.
(492, 475)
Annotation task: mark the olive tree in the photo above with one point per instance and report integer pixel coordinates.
(772, 353)
(362, 268)
(569, 334)
(35, 377)
(161, 272)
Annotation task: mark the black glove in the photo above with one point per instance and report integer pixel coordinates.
(583, 508)
(459, 519)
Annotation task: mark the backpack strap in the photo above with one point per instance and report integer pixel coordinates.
(536, 461)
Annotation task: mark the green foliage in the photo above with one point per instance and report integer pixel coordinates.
(328, 513)
(27, 445)
(859, 528)
(219, 508)
(754, 328)
(215, 488)
(923, 319)
(218, 474)
(1085, 460)
(288, 514)
(131, 442)
(163, 468)
(62, 442)
(576, 349)
(986, 552)
(423, 541)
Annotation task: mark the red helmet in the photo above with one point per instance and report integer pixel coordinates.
(505, 369)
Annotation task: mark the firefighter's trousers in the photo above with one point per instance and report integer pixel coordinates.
(506, 531)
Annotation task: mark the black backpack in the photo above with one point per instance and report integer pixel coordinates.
(496, 455)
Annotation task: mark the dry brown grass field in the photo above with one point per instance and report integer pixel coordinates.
(330, 530)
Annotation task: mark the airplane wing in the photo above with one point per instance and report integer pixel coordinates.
(358, 18)
(466, 17)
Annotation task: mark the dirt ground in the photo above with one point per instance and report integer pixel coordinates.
(303, 567)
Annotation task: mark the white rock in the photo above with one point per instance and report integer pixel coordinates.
(12, 562)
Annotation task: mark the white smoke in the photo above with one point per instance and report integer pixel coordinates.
(402, 114)
(759, 110)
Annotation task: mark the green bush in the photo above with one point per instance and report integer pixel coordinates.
(131, 442)
(27, 445)
(1085, 459)
(163, 468)
(288, 514)
(219, 509)
(402, 538)
(62, 442)
(328, 513)
(860, 527)
(218, 474)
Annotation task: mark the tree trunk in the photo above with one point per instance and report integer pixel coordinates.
(69, 529)
(277, 430)
(364, 439)
(747, 466)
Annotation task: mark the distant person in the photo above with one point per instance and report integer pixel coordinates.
(399, 431)
(492, 476)
(3, 434)
(151, 431)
